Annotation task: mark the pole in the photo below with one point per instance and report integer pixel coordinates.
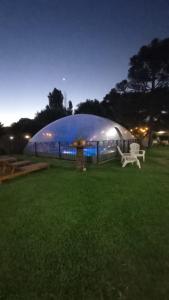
(97, 147)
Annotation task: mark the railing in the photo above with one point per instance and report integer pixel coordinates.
(95, 151)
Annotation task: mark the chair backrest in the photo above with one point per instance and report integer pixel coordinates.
(134, 147)
(119, 150)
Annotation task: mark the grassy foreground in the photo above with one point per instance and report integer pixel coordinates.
(101, 234)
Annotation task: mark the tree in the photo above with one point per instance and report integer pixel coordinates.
(149, 73)
(154, 108)
(48, 115)
(53, 111)
(24, 125)
(1, 129)
(122, 86)
(122, 107)
(70, 108)
(149, 68)
(143, 98)
(56, 100)
(90, 107)
(112, 105)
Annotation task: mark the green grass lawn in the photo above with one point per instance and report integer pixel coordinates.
(100, 234)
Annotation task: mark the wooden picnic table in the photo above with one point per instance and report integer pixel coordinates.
(7, 158)
(25, 170)
(5, 164)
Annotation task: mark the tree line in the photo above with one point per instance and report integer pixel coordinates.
(140, 99)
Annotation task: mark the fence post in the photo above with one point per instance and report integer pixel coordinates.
(117, 144)
(60, 154)
(128, 145)
(36, 153)
(123, 145)
(97, 147)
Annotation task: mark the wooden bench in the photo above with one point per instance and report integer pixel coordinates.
(21, 163)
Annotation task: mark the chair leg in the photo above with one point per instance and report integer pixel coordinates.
(138, 163)
(124, 164)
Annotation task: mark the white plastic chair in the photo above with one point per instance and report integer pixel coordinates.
(135, 150)
(127, 158)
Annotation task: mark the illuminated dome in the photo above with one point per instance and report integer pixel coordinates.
(81, 126)
(102, 135)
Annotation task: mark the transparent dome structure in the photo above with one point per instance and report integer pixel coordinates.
(66, 130)
(81, 126)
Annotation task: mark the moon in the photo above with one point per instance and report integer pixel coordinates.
(63, 79)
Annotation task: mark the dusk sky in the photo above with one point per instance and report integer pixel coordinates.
(81, 47)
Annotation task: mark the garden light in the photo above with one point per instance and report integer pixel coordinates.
(161, 132)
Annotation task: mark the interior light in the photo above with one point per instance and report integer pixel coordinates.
(111, 132)
(48, 134)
